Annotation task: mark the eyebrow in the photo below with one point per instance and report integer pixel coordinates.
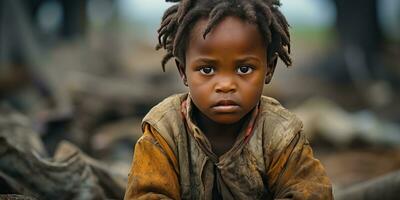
(241, 59)
(248, 57)
(206, 59)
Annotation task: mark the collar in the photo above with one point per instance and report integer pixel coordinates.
(243, 137)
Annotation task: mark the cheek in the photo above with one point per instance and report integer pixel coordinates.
(199, 89)
(256, 81)
(252, 89)
(196, 83)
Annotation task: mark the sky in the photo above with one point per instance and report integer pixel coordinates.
(310, 13)
(305, 12)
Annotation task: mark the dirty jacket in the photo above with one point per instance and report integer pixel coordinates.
(174, 160)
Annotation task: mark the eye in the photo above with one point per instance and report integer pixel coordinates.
(207, 70)
(244, 69)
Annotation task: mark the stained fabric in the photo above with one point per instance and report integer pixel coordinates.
(271, 158)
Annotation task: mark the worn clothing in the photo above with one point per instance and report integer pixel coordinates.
(271, 158)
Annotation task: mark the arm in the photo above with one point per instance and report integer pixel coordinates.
(153, 174)
(296, 174)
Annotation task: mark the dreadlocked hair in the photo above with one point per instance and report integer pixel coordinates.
(181, 17)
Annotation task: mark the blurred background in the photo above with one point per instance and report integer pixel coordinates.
(86, 71)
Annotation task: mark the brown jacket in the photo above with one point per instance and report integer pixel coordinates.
(172, 159)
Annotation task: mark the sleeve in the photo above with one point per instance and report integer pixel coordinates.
(296, 174)
(153, 174)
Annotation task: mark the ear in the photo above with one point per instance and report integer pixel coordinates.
(181, 70)
(271, 68)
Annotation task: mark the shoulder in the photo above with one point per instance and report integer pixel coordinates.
(273, 108)
(279, 125)
(166, 118)
(170, 105)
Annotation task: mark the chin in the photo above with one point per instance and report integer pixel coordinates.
(226, 119)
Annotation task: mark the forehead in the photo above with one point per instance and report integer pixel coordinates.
(232, 33)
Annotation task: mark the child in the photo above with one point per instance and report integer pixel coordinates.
(223, 139)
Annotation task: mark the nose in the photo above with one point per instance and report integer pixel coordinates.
(225, 84)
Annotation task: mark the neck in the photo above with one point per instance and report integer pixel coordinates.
(213, 129)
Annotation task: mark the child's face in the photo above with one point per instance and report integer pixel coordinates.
(226, 71)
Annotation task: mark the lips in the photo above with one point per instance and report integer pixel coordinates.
(226, 102)
(226, 106)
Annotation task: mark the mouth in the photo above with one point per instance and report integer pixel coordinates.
(226, 106)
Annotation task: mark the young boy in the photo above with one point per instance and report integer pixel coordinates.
(223, 139)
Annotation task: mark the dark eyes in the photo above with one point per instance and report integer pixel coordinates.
(244, 70)
(207, 70)
(240, 70)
